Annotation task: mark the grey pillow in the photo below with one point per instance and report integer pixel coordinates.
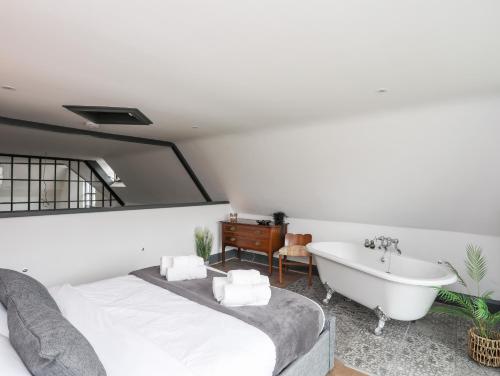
(47, 343)
(22, 285)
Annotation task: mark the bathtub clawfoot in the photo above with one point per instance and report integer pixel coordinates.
(329, 294)
(382, 318)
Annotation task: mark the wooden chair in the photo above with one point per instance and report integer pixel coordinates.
(295, 247)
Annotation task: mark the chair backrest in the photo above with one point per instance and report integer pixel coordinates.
(297, 239)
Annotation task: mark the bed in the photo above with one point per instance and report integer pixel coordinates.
(137, 327)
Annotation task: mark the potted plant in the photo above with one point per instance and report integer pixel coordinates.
(484, 336)
(279, 218)
(203, 239)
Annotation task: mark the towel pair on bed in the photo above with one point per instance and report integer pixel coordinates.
(180, 268)
(242, 288)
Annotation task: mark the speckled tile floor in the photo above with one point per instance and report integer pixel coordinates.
(433, 346)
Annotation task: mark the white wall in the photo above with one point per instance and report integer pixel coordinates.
(428, 245)
(432, 174)
(77, 248)
(434, 167)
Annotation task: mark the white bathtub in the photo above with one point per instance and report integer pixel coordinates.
(399, 288)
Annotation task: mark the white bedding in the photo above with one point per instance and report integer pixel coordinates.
(10, 363)
(121, 351)
(199, 340)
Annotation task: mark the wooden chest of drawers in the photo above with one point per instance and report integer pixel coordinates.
(247, 234)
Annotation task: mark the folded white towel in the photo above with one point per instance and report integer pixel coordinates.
(177, 273)
(246, 295)
(187, 261)
(165, 263)
(218, 284)
(264, 280)
(243, 277)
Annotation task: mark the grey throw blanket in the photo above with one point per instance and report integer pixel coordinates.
(292, 321)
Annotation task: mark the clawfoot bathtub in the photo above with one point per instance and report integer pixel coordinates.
(399, 288)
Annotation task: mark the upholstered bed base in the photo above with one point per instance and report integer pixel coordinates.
(319, 360)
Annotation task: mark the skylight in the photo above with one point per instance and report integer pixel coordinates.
(116, 182)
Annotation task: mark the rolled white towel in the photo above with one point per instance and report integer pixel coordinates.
(165, 263)
(243, 277)
(218, 284)
(177, 273)
(246, 295)
(187, 261)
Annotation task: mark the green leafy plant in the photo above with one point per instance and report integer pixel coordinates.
(204, 240)
(468, 306)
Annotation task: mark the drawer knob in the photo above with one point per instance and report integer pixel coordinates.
(233, 239)
(257, 243)
(232, 228)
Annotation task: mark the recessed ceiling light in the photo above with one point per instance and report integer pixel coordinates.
(8, 87)
(382, 90)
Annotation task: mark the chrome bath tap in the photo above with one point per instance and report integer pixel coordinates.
(384, 243)
(395, 242)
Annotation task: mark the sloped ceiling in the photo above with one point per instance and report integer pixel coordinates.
(230, 65)
(435, 167)
(152, 174)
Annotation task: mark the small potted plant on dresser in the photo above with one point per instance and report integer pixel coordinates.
(203, 240)
(484, 335)
(279, 219)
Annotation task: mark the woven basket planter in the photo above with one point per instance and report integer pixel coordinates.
(483, 350)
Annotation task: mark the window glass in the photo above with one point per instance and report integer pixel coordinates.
(20, 193)
(5, 187)
(74, 170)
(62, 205)
(48, 169)
(37, 183)
(34, 189)
(47, 205)
(35, 170)
(62, 170)
(84, 172)
(20, 171)
(5, 170)
(20, 207)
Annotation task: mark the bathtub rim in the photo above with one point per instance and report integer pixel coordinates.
(448, 278)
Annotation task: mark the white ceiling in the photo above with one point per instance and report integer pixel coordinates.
(231, 65)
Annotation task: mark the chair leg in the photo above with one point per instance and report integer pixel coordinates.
(280, 271)
(285, 267)
(310, 270)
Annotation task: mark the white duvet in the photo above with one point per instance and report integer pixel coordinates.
(138, 328)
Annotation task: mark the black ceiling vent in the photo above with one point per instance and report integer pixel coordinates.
(110, 115)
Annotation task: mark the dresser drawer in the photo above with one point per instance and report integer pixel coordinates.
(245, 243)
(247, 231)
